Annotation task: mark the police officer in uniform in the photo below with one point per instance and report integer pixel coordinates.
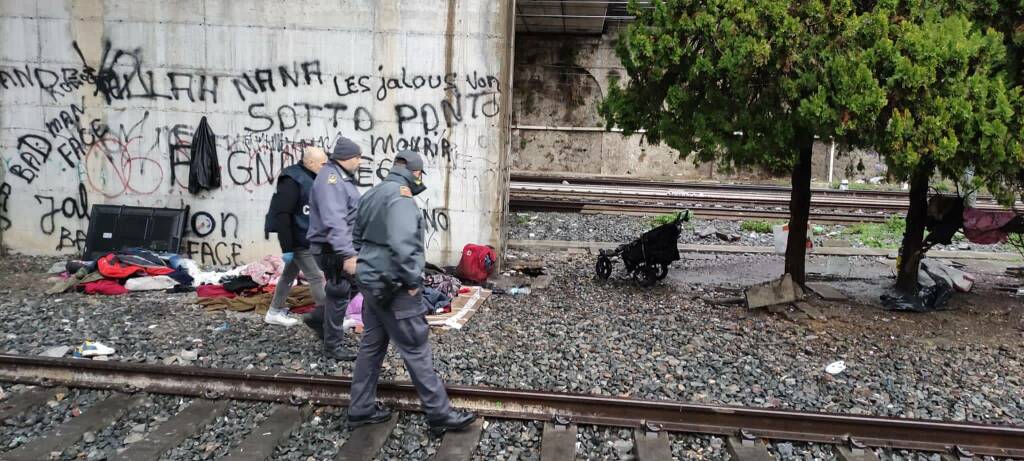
(332, 213)
(389, 235)
(289, 218)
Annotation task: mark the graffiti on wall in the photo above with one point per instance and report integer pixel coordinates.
(143, 159)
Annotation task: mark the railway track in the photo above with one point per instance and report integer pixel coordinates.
(295, 395)
(710, 201)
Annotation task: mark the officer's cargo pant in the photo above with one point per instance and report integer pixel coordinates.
(410, 338)
(338, 292)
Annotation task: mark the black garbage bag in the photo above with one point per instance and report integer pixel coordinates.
(927, 299)
(203, 168)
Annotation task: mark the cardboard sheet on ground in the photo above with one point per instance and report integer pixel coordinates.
(463, 307)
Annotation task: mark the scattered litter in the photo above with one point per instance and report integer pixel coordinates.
(222, 328)
(56, 351)
(780, 235)
(835, 368)
(827, 292)
(189, 355)
(518, 291)
(727, 237)
(58, 267)
(962, 281)
(938, 283)
(3, 395)
(93, 349)
(153, 283)
(775, 292)
(705, 232)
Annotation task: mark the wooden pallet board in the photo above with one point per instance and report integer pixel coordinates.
(463, 308)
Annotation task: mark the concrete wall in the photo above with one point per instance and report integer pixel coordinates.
(99, 100)
(559, 84)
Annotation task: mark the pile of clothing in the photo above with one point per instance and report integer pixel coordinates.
(439, 289)
(121, 272)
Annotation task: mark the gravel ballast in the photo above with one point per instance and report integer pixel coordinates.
(580, 227)
(673, 341)
(19, 429)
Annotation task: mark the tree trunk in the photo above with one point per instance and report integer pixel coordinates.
(912, 250)
(799, 211)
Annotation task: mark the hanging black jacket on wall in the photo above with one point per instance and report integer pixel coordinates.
(203, 168)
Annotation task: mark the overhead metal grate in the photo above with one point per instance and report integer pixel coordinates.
(568, 16)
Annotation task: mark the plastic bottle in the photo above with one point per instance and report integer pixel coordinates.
(516, 291)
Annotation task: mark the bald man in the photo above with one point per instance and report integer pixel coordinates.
(289, 217)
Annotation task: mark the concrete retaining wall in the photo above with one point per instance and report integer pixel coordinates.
(559, 84)
(99, 100)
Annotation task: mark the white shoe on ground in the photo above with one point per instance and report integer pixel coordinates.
(279, 317)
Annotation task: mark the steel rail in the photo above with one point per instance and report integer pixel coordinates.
(982, 439)
(621, 206)
(584, 180)
(715, 196)
(593, 193)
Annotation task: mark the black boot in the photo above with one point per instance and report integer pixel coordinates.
(455, 420)
(341, 353)
(379, 415)
(315, 321)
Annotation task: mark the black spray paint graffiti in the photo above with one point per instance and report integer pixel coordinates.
(74, 208)
(5, 197)
(262, 80)
(57, 83)
(111, 81)
(215, 253)
(206, 226)
(71, 239)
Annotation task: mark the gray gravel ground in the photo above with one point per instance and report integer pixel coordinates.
(506, 440)
(785, 451)
(693, 447)
(225, 433)
(135, 424)
(584, 336)
(578, 227)
(17, 430)
(410, 440)
(319, 437)
(604, 443)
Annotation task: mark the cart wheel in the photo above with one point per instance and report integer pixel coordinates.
(604, 267)
(662, 271)
(646, 276)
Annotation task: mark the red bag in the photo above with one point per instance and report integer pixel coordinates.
(477, 263)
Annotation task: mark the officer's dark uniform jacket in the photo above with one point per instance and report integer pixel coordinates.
(333, 203)
(389, 237)
(289, 208)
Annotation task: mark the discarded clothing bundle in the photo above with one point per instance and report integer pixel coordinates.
(121, 272)
(937, 283)
(215, 298)
(947, 215)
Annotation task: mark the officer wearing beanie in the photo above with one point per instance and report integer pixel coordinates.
(389, 235)
(333, 203)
